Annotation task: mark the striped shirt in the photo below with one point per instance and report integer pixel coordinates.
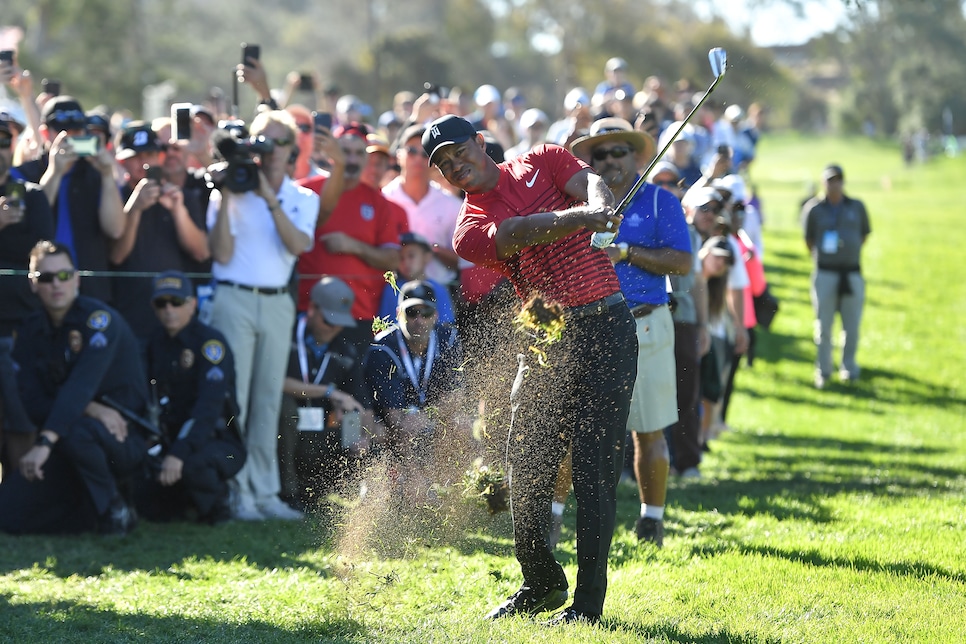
(567, 271)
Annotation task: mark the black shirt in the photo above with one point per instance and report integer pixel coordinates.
(194, 378)
(84, 202)
(16, 240)
(93, 353)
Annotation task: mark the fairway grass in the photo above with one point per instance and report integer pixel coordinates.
(823, 516)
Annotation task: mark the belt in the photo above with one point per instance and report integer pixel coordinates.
(257, 290)
(643, 310)
(594, 308)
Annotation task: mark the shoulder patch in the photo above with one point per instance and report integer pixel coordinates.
(214, 350)
(215, 374)
(98, 340)
(99, 320)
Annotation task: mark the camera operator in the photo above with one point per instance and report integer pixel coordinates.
(255, 236)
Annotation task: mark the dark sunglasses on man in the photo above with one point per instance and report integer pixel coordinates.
(48, 278)
(424, 312)
(618, 152)
(164, 302)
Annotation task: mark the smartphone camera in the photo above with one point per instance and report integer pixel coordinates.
(152, 173)
(250, 51)
(322, 120)
(181, 121)
(15, 195)
(306, 83)
(50, 87)
(85, 145)
(6, 56)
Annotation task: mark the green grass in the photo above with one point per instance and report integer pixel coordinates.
(825, 516)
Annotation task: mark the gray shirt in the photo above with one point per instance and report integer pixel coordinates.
(835, 232)
(681, 285)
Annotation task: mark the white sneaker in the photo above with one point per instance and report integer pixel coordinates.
(275, 508)
(691, 473)
(244, 510)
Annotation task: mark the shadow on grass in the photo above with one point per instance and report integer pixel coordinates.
(65, 621)
(671, 633)
(914, 569)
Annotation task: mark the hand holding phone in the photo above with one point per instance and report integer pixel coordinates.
(85, 145)
(152, 173)
(250, 51)
(306, 83)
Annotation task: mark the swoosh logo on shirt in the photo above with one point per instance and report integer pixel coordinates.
(533, 179)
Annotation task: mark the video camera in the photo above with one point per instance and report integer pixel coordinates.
(235, 148)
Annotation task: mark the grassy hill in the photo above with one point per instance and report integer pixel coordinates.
(824, 516)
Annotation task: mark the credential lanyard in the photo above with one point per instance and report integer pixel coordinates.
(304, 357)
(407, 361)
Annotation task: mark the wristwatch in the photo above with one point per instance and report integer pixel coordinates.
(624, 249)
(44, 441)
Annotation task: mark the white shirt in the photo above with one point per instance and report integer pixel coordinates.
(260, 258)
(434, 218)
(737, 274)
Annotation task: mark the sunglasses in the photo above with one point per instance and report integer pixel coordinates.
(709, 208)
(304, 128)
(163, 302)
(48, 278)
(281, 143)
(419, 152)
(5, 143)
(618, 152)
(666, 183)
(424, 312)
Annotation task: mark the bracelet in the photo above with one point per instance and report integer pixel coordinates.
(625, 251)
(44, 441)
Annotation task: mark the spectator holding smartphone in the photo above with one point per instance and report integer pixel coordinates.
(88, 212)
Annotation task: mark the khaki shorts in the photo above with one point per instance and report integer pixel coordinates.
(654, 404)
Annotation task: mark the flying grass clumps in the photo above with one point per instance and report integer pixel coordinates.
(544, 322)
(488, 486)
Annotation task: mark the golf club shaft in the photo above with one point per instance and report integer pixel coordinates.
(625, 202)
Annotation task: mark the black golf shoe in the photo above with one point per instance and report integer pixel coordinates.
(530, 601)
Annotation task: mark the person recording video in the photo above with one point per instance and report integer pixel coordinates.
(259, 221)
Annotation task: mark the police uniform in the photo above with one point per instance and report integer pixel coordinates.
(93, 354)
(193, 374)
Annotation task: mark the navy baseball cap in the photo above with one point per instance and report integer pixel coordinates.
(63, 113)
(444, 131)
(416, 292)
(137, 137)
(172, 284)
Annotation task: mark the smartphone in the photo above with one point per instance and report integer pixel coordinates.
(51, 87)
(724, 150)
(85, 145)
(322, 120)
(15, 194)
(6, 56)
(250, 51)
(306, 83)
(181, 121)
(152, 172)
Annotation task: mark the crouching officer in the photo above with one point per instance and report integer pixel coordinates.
(73, 356)
(192, 373)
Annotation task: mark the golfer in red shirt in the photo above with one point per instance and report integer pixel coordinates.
(531, 219)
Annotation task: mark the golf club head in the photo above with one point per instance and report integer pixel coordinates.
(719, 61)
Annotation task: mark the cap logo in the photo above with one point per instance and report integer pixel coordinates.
(368, 212)
(168, 282)
(434, 131)
(140, 138)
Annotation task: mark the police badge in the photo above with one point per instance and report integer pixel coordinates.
(187, 359)
(75, 341)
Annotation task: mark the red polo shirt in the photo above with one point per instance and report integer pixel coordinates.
(364, 214)
(567, 271)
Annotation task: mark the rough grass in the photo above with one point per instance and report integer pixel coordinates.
(832, 516)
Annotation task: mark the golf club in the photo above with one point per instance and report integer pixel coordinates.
(719, 63)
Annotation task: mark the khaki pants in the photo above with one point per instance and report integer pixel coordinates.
(258, 328)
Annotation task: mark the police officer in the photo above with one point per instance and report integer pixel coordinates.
(82, 384)
(192, 372)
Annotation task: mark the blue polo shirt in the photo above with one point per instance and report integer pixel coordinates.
(654, 219)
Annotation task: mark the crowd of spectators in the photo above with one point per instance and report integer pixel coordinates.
(288, 261)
